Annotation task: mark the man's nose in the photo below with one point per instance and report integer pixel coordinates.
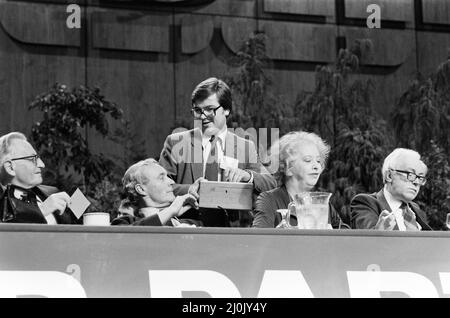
(416, 183)
(40, 163)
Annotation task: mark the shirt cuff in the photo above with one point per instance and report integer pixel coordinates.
(251, 176)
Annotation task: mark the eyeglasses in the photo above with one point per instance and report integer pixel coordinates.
(412, 176)
(33, 158)
(208, 111)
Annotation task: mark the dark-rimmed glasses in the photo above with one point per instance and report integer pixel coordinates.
(207, 111)
(33, 158)
(411, 176)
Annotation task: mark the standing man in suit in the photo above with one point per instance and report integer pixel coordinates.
(392, 207)
(211, 152)
(21, 175)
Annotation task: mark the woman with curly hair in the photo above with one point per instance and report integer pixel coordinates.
(300, 158)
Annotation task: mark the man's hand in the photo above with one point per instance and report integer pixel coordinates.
(386, 221)
(193, 189)
(236, 175)
(183, 203)
(55, 202)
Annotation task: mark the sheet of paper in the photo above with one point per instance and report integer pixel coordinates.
(78, 203)
(229, 163)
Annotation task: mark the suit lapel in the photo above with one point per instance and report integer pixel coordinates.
(385, 205)
(419, 219)
(382, 199)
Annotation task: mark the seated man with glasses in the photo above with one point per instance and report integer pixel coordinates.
(212, 152)
(22, 197)
(392, 207)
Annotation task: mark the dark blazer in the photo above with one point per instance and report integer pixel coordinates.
(35, 215)
(152, 220)
(182, 157)
(269, 202)
(366, 209)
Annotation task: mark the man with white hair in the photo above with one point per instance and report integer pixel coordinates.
(149, 198)
(21, 179)
(392, 207)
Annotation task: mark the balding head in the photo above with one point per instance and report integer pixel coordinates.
(147, 181)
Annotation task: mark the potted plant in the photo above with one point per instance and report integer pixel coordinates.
(61, 140)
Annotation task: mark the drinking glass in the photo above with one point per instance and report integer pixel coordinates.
(285, 217)
(312, 209)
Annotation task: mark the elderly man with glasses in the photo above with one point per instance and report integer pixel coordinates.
(20, 182)
(211, 151)
(392, 207)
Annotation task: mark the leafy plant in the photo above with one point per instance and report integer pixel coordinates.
(423, 112)
(434, 197)
(421, 121)
(255, 105)
(340, 111)
(106, 196)
(60, 138)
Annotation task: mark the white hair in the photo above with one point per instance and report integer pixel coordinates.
(285, 149)
(391, 161)
(5, 145)
(133, 176)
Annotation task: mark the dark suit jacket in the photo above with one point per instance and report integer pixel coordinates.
(182, 157)
(366, 209)
(44, 192)
(270, 201)
(152, 220)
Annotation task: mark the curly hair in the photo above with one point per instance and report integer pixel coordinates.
(285, 149)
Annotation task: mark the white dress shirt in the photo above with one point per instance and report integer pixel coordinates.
(395, 204)
(50, 218)
(220, 148)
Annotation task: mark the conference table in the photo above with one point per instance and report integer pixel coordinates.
(162, 262)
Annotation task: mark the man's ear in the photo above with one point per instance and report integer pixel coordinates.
(140, 190)
(9, 168)
(388, 177)
(227, 112)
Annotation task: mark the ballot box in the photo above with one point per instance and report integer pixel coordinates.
(227, 195)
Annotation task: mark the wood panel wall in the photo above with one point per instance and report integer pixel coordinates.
(148, 57)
